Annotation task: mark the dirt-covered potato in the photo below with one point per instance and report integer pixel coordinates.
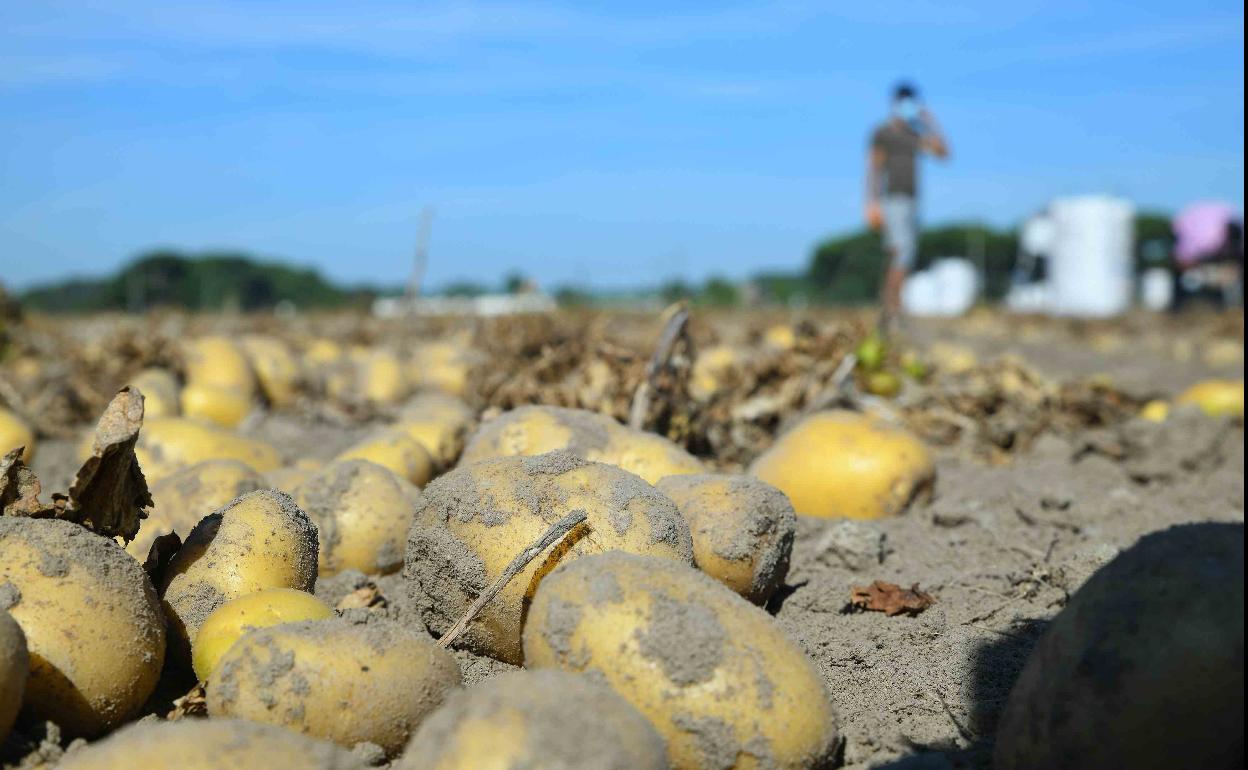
(167, 444)
(345, 681)
(209, 744)
(396, 452)
(188, 495)
(1144, 667)
(14, 668)
(1216, 398)
(14, 432)
(742, 529)
(477, 518)
(535, 719)
(226, 407)
(712, 672)
(261, 540)
(842, 464)
(161, 392)
(92, 623)
(363, 513)
(226, 624)
(534, 430)
(217, 361)
(277, 370)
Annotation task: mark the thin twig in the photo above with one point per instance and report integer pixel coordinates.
(555, 533)
(675, 328)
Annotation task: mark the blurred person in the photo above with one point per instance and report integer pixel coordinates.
(1208, 254)
(893, 189)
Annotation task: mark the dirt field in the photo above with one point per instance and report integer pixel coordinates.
(1044, 470)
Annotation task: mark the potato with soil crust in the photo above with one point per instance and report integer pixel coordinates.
(438, 422)
(261, 540)
(14, 668)
(218, 361)
(229, 622)
(363, 513)
(535, 719)
(713, 673)
(14, 432)
(92, 622)
(397, 453)
(842, 464)
(477, 518)
(742, 529)
(168, 444)
(226, 407)
(209, 744)
(277, 370)
(1144, 667)
(348, 682)
(534, 430)
(161, 392)
(1216, 398)
(189, 495)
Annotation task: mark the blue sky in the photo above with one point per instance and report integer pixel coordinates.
(611, 144)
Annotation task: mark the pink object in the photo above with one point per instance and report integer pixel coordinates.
(1199, 231)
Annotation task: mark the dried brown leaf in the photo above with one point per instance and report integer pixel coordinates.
(109, 491)
(19, 487)
(160, 554)
(193, 704)
(367, 596)
(890, 598)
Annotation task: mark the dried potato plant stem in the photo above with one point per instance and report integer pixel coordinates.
(677, 327)
(552, 535)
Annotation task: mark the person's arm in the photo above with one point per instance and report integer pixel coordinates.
(933, 141)
(875, 162)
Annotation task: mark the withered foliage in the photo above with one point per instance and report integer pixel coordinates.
(19, 487)
(890, 598)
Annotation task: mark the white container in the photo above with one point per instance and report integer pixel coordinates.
(948, 288)
(1090, 264)
(1157, 288)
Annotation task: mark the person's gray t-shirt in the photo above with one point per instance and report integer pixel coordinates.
(900, 144)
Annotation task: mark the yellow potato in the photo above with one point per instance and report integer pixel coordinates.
(14, 432)
(363, 513)
(218, 361)
(396, 452)
(188, 495)
(780, 337)
(711, 370)
(535, 719)
(742, 530)
(14, 667)
(478, 517)
(444, 366)
(321, 351)
(1155, 411)
(227, 623)
(161, 392)
(221, 406)
(289, 477)
(1216, 398)
(344, 681)
(534, 430)
(952, 358)
(439, 423)
(277, 370)
(713, 673)
(167, 444)
(209, 744)
(92, 623)
(261, 540)
(844, 464)
(383, 379)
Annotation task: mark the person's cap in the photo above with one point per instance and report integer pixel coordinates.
(905, 90)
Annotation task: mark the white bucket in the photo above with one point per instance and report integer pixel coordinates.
(1090, 265)
(948, 288)
(1157, 288)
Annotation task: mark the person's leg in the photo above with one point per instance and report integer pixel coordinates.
(900, 247)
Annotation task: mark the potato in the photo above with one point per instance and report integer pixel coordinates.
(92, 623)
(397, 453)
(363, 514)
(209, 744)
(221, 406)
(535, 719)
(261, 540)
(713, 673)
(14, 667)
(1144, 667)
(844, 464)
(439, 423)
(1216, 398)
(444, 366)
(344, 681)
(952, 358)
(383, 380)
(14, 432)
(161, 392)
(217, 361)
(289, 477)
(167, 444)
(277, 370)
(478, 517)
(226, 624)
(742, 529)
(320, 352)
(780, 337)
(711, 370)
(1155, 411)
(188, 495)
(534, 430)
